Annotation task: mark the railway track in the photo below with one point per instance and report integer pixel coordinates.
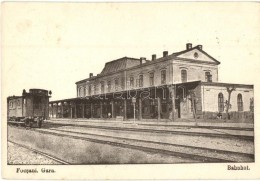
(219, 135)
(156, 142)
(41, 153)
(183, 151)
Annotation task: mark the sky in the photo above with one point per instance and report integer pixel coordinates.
(54, 45)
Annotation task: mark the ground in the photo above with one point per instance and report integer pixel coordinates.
(78, 151)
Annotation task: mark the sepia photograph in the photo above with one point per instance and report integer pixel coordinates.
(130, 90)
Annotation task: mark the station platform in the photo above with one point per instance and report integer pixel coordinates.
(179, 122)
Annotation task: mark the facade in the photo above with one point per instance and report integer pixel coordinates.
(168, 87)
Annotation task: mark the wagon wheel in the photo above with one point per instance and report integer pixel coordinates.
(31, 124)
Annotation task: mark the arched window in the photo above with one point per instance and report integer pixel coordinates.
(220, 102)
(141, 80)
(183, 75)
(239, 102)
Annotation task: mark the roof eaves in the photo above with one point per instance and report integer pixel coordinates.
(227, 84)
(196, 47)
(209, 56)
(184, 51)
(196, 61)
(84, 80)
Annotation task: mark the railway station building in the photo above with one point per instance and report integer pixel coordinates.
(180, 85)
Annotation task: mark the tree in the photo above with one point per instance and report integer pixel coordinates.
(227, 103)
(194, 103)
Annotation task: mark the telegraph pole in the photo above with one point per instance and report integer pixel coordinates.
(134, 101)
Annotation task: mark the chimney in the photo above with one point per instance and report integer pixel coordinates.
(188, 46)
(90, 75)
(24, 92)
(154, 57)
(165, 53)
(200, 47)
(142, 60)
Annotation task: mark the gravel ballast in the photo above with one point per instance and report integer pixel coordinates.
(19, 155)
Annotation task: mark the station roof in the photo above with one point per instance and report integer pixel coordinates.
(120, 64)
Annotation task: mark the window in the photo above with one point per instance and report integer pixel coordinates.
(85, 91)
(81, 92)
(89, 90)
(183, 75)
(95, 89)
(18, 103)
(196, 55)
(208, 77)
(141, 80)
(239, 102)
(220, 102)
(78, 91)
(116, 84)
(163, 77)
(102, 86)
(151, 79)
(131, 82)
(109, 86)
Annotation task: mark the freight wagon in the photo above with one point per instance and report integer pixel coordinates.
(30, 109)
